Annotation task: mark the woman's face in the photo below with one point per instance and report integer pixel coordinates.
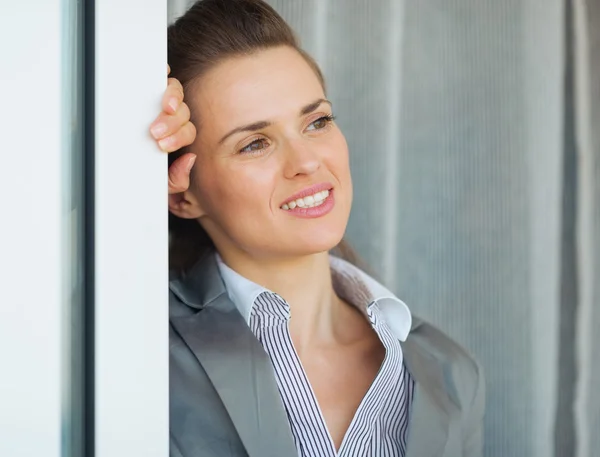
(272, 177)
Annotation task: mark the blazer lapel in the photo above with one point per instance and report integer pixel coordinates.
(429, 424)
(235, 362)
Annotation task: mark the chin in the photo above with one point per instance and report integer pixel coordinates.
(314, 243)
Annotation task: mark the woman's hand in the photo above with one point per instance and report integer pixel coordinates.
(173, 130)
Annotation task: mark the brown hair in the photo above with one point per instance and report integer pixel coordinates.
(208, 33)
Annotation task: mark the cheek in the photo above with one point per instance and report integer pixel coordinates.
(229, 189)
(337, 157)
(337, 161)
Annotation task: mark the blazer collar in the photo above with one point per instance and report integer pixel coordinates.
(349, 281)
(199, 286)
(202, 284)
(234, 360)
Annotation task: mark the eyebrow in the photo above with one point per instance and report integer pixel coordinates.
(264, 124)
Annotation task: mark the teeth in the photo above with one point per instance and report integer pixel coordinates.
(320, 196)
(307, 202)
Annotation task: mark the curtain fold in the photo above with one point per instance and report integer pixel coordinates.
(587, 96)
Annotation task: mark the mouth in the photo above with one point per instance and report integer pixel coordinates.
(308, 198)
(310, 201)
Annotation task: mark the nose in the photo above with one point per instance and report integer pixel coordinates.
(301, 158)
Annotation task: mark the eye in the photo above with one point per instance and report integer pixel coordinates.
(255, 146)
(321, 123)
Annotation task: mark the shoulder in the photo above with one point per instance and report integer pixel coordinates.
(463, 374)
(443, 347)
(463, 379)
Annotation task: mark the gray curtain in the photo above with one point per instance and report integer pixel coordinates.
(473, 128)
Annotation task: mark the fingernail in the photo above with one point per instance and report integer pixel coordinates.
(158, 130)
(165, 143)
(190, 164)
(174, 104)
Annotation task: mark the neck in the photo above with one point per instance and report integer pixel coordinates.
(305, 284)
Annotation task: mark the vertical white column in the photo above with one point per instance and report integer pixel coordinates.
(131, 264)
(31, 268)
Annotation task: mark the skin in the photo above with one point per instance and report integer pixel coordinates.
(173, 130)
(240, 183)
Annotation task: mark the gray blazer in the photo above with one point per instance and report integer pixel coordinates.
(224, 400)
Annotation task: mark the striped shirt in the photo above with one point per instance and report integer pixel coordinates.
(380, 424)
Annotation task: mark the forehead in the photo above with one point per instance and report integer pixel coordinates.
(266, 85)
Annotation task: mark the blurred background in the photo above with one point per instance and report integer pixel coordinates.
(473, 129)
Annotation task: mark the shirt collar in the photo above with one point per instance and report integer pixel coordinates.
(354, 282)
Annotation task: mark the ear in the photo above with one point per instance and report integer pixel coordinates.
(185, 205)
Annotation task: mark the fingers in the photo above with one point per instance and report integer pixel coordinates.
(168, 124)
(173, 96)
(168, 69)
(172, 129)
(184, 136)
(173, 132)
(179, 173)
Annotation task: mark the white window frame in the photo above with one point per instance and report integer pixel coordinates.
(131, 234)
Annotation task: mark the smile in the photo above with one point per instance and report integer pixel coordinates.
(310, 201)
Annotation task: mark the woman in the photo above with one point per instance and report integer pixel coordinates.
(278, 348)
